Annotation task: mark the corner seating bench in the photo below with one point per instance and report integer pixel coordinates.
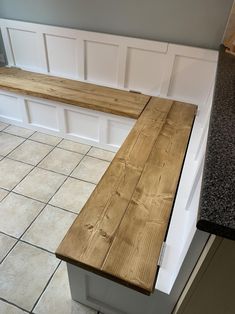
(119, 232)
(88, 113)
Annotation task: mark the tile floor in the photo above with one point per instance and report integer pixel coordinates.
(44, 183)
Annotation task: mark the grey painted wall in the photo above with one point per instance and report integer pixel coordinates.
(191, 22)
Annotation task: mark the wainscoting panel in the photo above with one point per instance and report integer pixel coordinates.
(150, 67)
(142, 75)
(117, 131)
(82, 124)
(26, 52)
(191, 74)
(10, 108)
(62, 56)
(87, 126)
(42, 114)
(101, 63)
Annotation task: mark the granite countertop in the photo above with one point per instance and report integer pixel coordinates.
(217, 201)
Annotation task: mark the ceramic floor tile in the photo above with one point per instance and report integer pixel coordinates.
(57, 297)
(3, 193)
(3, 125)
(49, 228)
(72, 195)
(9, 142)
(25, 273)
(30, 152)
(90, 169)
(16, 213)
(40, 184)
(6, 243)
(45, 138)
(6, 308)
(101, 153)
(61, 161)
(12, 172)
(74, 146)
(16, 130)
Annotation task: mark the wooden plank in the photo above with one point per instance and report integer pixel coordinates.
(102, 213)
(134, 196)
(137, 244)
(73, 92)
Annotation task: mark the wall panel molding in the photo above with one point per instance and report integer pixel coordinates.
(151, 67)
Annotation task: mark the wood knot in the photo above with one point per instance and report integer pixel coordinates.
(103, 233)
(89, 226)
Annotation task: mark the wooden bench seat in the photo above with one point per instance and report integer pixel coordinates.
(72, 92)
(120, 231)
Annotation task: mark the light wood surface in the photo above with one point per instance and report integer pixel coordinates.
(119, 232)
(72, 92)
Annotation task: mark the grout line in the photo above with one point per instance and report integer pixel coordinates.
(24, 162)
(9, 235)
(38, 164)
(36, 246)
(34, 167)
(7, 125)
(27, 137)
(13, 304)
(5, 195)
(72, 177)
(76, 166)
(4, 257)
(48, 282)
(88, 151)
(9, 250)
(63, 173)
(53, 145)
(11, 190)
(18, 240)
(47, 203)
(74, 151)
(99, 158)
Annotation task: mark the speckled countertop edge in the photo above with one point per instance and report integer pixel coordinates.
(217, 201)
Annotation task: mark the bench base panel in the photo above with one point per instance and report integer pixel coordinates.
(87, 126)
(108, 296)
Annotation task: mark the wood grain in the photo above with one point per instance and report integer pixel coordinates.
(119, 232)
(72, 92)
(137, 244)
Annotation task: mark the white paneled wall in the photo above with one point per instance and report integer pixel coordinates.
(61, 55)
(151, 67)
(154, 68)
